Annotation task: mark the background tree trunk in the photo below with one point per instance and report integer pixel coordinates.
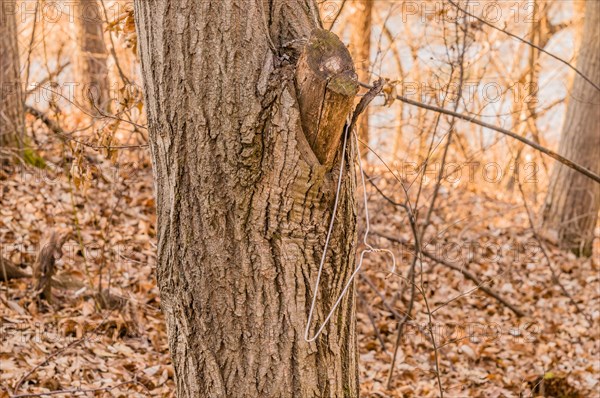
(91, 61)
(573, 200)
(244, 197)
(12, 119)
(360, 48)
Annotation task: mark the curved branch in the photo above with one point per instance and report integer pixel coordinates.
(552, 154)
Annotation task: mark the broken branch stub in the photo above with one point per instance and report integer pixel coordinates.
(326, 84)
(45, 263)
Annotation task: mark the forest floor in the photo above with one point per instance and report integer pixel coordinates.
(118, 347)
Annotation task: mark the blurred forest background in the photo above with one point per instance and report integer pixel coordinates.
(499, 287)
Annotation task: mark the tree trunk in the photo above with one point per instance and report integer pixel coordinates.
(246, 120)
(12, 119)
(360, 47)
(91, 63)
(573, 199)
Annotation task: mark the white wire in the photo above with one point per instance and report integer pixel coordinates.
(369, 248)
(316, 289)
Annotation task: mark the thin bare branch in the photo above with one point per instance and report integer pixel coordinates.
(463, 271)
(471, 119)
(483, 21)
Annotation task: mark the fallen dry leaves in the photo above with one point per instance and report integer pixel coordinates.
(117, 346)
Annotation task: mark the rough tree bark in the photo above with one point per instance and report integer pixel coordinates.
(360, 48)
(573, 200)
(12, 117)
(246, 103)
(91, 65)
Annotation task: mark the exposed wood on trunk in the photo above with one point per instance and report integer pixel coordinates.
(326, 86)
(12, 119)
(573, 201)
(243, 202)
